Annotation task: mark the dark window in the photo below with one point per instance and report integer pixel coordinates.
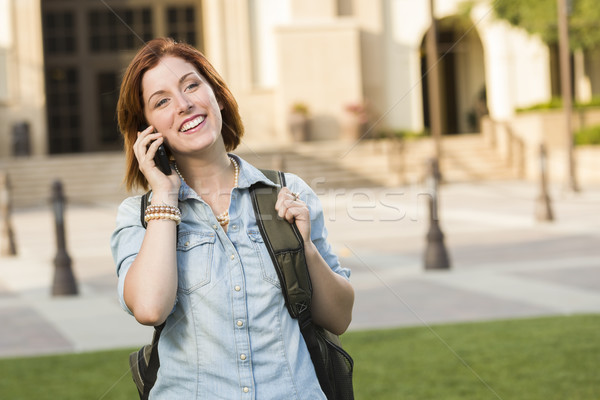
(108, 95)
(119, 29)
(181, 24)
(64, 132)
(59, 32)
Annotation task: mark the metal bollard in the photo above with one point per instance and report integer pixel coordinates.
(436, 256)
(64, 280)
(7, 238)
(543, 205)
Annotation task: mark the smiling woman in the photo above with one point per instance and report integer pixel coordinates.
(199, 271)
(131, 110)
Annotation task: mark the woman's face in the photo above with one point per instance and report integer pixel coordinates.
(180, 104)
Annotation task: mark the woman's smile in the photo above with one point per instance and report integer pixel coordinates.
(192, 124)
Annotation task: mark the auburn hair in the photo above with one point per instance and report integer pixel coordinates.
(130, 107)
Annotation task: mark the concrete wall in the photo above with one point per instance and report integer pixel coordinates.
(319, 65)
(518, 141)
(517, 65)
(24, 100)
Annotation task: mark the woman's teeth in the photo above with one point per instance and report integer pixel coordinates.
(191, 124)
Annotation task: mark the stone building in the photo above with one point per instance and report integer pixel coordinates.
(61, 62)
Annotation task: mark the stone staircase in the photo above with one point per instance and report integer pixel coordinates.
(97, 177)
(469, 158)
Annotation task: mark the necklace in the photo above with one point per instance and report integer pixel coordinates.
(223, 218)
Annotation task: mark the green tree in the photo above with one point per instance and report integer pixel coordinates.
(539, 17)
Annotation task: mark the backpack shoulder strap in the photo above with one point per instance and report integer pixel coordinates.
(286, 248)
(284, 243)
(143, 206)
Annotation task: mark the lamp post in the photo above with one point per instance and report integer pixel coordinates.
(544, 209)
(7, 238)
(566, 87)
(433, 84)
(64, 281)
(436, 256)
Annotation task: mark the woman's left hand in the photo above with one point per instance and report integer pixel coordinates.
(292, 209)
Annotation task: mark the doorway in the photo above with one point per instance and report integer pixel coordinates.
(461, 75)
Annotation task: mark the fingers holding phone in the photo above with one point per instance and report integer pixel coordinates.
(161, 158)
(150, 152)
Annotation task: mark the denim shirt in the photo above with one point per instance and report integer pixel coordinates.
(230, 335)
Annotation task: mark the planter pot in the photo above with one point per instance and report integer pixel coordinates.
(298, 124)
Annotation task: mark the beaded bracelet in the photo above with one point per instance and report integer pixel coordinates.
(162, 212)
(163, 208)
(164, 216)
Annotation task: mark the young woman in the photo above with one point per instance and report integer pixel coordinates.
(201, 265)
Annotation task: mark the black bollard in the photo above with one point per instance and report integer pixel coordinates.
(543, 206)
(7, 237)
(64, 281)
(436, 256)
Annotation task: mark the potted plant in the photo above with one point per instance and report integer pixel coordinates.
(298, 121)
(358, 120)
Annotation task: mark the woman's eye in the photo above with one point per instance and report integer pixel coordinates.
(160, 102)
(192, 86)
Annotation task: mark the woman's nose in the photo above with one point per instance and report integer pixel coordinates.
(183, 104)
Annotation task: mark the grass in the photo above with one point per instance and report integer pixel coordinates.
(556, 103)
(543, 358)
(588, 136)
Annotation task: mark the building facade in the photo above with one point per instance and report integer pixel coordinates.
(347, 62)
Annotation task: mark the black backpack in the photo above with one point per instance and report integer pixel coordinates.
(333, 365)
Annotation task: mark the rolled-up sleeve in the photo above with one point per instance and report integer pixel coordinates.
(126, 241)
(318, 231)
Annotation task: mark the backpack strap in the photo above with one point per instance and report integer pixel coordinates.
(286, 248)
(284, 243)
(143, 206)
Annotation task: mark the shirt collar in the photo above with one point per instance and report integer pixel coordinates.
(249, 175)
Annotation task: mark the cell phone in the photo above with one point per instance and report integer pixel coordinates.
(161, 158)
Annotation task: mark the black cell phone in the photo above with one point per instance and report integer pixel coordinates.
(161, 158)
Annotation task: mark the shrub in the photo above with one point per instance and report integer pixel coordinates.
(588, 135)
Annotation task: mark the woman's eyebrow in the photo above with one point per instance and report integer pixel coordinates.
(185, 76)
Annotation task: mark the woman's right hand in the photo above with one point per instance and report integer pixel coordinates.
(145, 148)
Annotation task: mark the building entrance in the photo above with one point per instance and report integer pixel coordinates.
(462, 77)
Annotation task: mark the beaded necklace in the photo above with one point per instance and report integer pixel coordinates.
(223, 218)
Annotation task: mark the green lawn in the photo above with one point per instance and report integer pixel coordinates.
(544, 358)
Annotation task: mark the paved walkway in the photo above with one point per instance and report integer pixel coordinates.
(504, 264)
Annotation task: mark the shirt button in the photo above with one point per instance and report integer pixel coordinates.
(237, 288)
(246, 389)
(215, 226)
(234, 227)
(239, 323)
(242, 357)
(187, 243)
(232, 257)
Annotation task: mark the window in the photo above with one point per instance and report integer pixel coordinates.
(181, 24)
(114, 30)
(63, 111)
(108, 95)
(59, 32)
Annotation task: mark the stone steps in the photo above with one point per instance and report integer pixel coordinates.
(98, 177)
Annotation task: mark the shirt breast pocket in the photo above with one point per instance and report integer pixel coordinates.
(194, 259)
(266, 264)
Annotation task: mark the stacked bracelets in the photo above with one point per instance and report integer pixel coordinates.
(162, 212)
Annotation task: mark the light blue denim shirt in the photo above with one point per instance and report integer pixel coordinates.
(230, 335)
